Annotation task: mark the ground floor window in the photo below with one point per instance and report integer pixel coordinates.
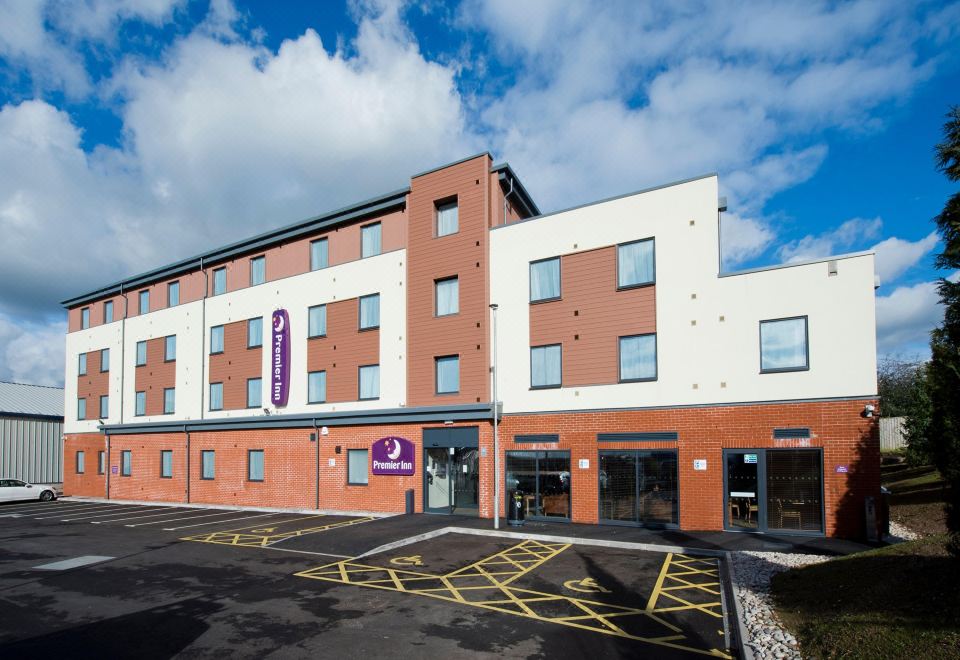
(639, 487)
(207, 464)
(543, 479)
(166, 463)
(774, 490)
(125, 462)
(357, 467)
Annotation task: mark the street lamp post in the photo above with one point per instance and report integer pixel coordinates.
(496, 430)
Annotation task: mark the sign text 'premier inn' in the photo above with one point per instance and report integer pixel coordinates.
(393, 455)
(280, 362)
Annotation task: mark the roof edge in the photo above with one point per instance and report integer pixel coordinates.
(446, 165)
(520, 189)
(806, 262)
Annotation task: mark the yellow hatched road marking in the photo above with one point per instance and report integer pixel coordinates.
(250, 540)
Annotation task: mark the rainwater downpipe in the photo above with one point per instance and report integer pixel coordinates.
(203, 344)
(186, 432)
(316, 434)
(509, 192)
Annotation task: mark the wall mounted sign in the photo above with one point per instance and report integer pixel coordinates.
(280, 363)
(114, 469)
(584, 463)
(843, 469)
(699, 464)
(393, 456)
(749, 458)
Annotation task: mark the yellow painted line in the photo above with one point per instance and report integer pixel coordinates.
(658, 585)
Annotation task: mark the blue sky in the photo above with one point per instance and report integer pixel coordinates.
(136, 133)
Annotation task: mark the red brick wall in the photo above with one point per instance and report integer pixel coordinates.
(89, 483)
(144, 482)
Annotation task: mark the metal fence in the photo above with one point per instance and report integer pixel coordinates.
(891, 433)
(31, 450)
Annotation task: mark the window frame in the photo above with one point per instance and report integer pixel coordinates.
(80, 462)
(365, 227)
(104, 414)
(143, 295)
(366, 462)
(81, 359)
(104, 351)
(559, 295)
(136, 396)
(453, 201)
(656, 360)
(324, 240)
(166, 348)
(325, 319)
(806, 344)
(436, 296)
(83, 417)
(360, 369)
(170, 453)
(221, 269)
(173, 286)
(213, 455)
(263, 258)
(136, 357)
(546, 387)
(263, 465)
(360, 326)
(84, 318)
(126, 462)
(249, 321)
(107, 304)
(222, 339)
(652, 282)
(101, 462)
(324, 372)
(436, 374)
(210, 394)
(174, 410)
(260, 403)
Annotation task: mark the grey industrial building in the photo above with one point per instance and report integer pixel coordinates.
(31, 433)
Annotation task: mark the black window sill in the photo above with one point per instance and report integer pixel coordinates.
(370, 398)
(167, 476)
(260, 345)
(372, 327)
(784, 370)
(546, 387)
(444, 316)
(255, 481)
(165, 360)
(358, 484)
(638, 380)
(207, 479)
(545, 300)
(446, 393)
(315, 402)
(323, 336)
(141, 365)
(103, 371)
(216, 353)
(642, 285)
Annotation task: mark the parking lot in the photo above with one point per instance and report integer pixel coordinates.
(95, 579)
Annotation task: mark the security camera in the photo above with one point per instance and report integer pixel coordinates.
(868, 410)
(266, 411)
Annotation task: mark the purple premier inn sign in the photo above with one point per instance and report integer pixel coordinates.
(392, 455)
(280, 364)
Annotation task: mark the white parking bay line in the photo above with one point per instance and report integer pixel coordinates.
(121, 512)
(160, 522)
(87, 510)
(67, 564)
(214, 522)
(151, 515)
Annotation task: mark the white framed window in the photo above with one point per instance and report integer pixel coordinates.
(255, 465)
(141, 353)
(85, 318)
(370, 240)
(448, 220)
(170, 348)
(357, 467)
(219, 281)
(126, 463)
(140, 404)
(169, 400)
(208, 466)
(82, 364)
(369, 382)
(317, 321)
(166, 464)
(104, 406)
(216, 339)
(254, 392)
(370, 312)
(255, 332)
(546, 366)
(448, 374)
(104, 359)
(635, 264)
(784, 345)
(173, 294)
(258, 270)
(108, 312)
(447, 296)
(216, 396)
(317, 387)
(81, 409)
(319, 254)
(638, 358)
(545, 279)
(145, 301)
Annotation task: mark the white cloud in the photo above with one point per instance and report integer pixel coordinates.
(32, 352)
(743, 238)
(906, 317)
(834, 241)
(895, 255)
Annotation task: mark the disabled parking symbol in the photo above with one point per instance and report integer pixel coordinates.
(585, 586)
(414, 560)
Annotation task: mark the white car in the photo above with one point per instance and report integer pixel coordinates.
(12, 490)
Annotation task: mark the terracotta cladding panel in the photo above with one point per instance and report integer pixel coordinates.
(96, 313)
(155, 376)
(344, 349)
(90, 483)
(236, 365)
(464, 254)
(591, 316)
(93, 385)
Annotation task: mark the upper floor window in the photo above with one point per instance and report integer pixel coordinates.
(81, 409)
(104, 406)
(141, 353)
(255, 332)
(448, 374)
(169, 400)
(254, 392)
(370, 312)
(216, 396)
(546, 366)
(638, 358)
(85, 318)
(105, 359)
(108, 312)
(173, 294)
(140, 404)
(317, 387)
(219, 281)
(317, 321)
(545, 279)
(216, 339)
(319, 254)
(170, 348)
(370, 243)
(369, 382)
(783, 345)
(448, 221)
(447, 296)
(258, 270)
(635, 264)
(82, 364)
(144, 301)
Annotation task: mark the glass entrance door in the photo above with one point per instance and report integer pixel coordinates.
(452, 476)
(743, 490)
(437, 489)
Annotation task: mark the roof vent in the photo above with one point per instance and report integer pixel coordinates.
(722, 204)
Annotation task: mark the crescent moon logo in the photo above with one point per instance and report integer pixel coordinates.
(278, 324)
(395, 454)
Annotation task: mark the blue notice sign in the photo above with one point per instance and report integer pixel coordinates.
(749, 458)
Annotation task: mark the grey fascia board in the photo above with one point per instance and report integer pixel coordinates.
(425, 414)
(807, 262)
(608, 199)
(503, 170)
(33, 417)
(445, 166)
(323, 221)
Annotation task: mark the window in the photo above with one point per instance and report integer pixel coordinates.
(317, 322)
(254, 391)
(639, 487)
(447, 219)
(108, 312)
(80, 462)
(82, 364)
(105, 359)
(101, 462)
(170, 348)
(638, 358)
(544, 479)
(545, 279)
(85, 318)
(319, 254)
(140, 404)
(173, 294)
(448, 374)
(447, 294)
(81, 409)
(216, 396)
(166, 463)
(258, 271)
(216, 339)
(370, 382)
(635, 264)
(255, 332)
(370, 245)
(141, 353)
(126, 459)
(783, 345)
(317, 387)
(169, 400)
(144, 301)
(370, 312)
(104, 406)
(207, 464)
(545, 366)
(219, 281)
(357, 467)
(255, 465)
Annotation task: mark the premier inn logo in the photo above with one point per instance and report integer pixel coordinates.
(280, 373)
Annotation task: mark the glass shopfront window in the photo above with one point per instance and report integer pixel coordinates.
(543, 478)
(639, 487)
